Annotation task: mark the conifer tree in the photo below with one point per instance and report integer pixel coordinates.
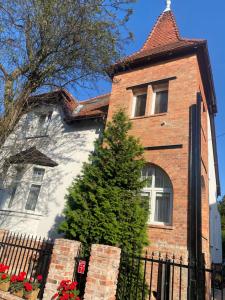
(104, 204)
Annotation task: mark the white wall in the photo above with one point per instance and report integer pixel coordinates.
(215, 222)
(69, 146)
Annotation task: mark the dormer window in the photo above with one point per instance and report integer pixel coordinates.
(43, 122)
(37, 124)
(160, 99)
(140, 102)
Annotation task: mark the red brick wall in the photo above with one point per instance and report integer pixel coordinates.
(167, 129)
(102, 273)
(62, 265)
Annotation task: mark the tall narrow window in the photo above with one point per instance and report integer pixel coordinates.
(15, 185)
(161, 102)
(33, 197)
(35, 188)
(160, 99)
(140, 105)
(158, 190)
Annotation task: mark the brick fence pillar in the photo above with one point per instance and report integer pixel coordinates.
(102, 273)
(62, 265)
(2, 233)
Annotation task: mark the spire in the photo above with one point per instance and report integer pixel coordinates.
(164, 32)
(163, 39)
(168, 5)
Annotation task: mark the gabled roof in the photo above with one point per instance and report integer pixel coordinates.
(163, 39)
(164, 36)
(96, 107)
(32, 156)
(75, 110)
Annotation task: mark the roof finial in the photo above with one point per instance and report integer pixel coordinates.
(168, 5)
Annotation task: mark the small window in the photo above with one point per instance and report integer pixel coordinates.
(35, 188)
(140, 105)
(38, 174)
(15, 185)
(37, 124)
(161, 102)
(33, 197)
(160, 99)
(43, 122)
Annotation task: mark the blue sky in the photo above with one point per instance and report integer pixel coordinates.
(196, 19)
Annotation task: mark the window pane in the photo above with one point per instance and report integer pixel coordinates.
(15, 184)
(161, 102)
(146, 200)
(43, 122)
(38, 174)
(33, 197)
(162, 208)
(161, 179)
(147, 175)
(14, 189)
(140, 105)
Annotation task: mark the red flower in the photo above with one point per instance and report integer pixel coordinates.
(21, 276)
(39, 277)
(3, 268)
(4, 276)
(28, 287)
(13, 278)
(55, 295)
(73, 285)
(65, 297)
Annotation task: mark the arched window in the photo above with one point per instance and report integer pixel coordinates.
(159, 192)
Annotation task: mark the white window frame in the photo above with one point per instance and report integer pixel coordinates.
(152, 199)
(15, 184)
(135, 102)
(160, 88)
(37, 183)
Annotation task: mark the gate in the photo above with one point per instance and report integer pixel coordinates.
(81, 269)
(23, 253)
(152, 277)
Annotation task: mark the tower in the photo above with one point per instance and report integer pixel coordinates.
(157, 86)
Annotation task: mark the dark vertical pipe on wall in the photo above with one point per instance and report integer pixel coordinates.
(195, 210)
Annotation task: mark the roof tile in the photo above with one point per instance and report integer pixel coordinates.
(164, 37)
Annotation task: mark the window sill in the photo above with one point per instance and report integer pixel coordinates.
(149, 116)
(21, 212)
(157, 226)
(36, 137)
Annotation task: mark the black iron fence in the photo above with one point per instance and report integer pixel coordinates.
(24, 253)
(162, 278)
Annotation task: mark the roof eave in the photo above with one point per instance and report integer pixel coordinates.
(207, 76)
(72, 119)
(199, 48)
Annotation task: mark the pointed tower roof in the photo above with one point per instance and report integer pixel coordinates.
(164, 38)
(163, 33)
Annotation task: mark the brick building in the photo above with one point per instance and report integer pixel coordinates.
(156, 86)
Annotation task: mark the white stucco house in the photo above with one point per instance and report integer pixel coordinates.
(42, 156)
